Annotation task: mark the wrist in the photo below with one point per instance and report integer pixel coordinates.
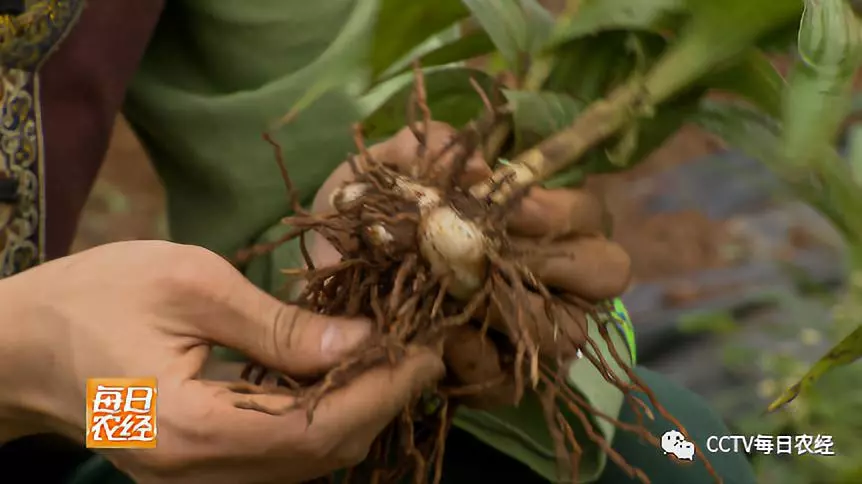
(25, 402)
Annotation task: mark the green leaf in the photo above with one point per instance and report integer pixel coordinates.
(447, 36)
(743, 127)
(451, 99)
(588, 68)
(402, 25)
(753, 78)
(599, 16)
(650, 134)
(717, 32)
(518, 28)
(844, 353)
(468, 46)
(537, 115)
(854, 142)
(471, 45)
(782, 40)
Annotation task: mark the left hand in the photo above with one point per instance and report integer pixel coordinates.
(580, 261)
(154, 309)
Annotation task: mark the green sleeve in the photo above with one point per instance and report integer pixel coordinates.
(215, 76)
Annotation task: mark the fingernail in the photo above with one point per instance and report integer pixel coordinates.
(341, 337)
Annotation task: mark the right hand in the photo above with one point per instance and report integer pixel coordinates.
(146, 308)
(600, 271)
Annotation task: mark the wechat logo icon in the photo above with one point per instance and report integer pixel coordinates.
(674, 443)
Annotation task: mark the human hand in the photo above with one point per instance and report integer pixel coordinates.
(148, 308)
(580, 260)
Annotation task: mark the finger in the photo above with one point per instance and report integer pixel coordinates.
(401, 152)
(275, 334)
(205, 434)
(558, 329)
(345, 422)
(322, 252)
(593, 268)
(226, 426)
(341, 175)
(560, 212)
(473, 359)
(371, 401)
(300, 342)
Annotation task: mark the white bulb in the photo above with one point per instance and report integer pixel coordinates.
(454, 247)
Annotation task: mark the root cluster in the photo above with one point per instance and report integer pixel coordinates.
(382, 275)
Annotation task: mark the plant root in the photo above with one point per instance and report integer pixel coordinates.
(384, 276)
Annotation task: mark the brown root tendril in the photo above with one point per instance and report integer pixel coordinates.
(392, 285)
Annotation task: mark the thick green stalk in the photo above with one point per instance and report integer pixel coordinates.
(600, 120)
(718, 32)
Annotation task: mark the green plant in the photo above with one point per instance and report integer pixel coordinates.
(817, 102)
(596, 89)
(830, 408)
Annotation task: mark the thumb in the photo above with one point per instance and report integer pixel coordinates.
(281, 336)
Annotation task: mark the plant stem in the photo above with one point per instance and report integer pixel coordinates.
(815, 106)
(600, 120)
(716, 34)
(496, 140)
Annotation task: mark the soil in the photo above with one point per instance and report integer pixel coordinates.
(127, 201)
(666, 244)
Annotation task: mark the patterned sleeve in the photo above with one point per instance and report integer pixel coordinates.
(63, 75)
(28, 34)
